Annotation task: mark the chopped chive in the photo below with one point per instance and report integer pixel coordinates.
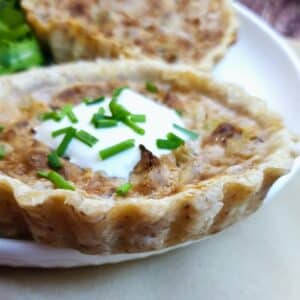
(57, 180)
(118, 111)
(1, 128)
(123, 189)
(191, 134)
(173, 137)
(133, 126)
(138, 118)
(101, 111)
(54, 160)
(61, 131)
(115, 149)
(117, 92)
(2, 152)
(52, 115)
(43, 174)
(167, 144)
(178, 112)
(65, 142)
(151, 87)
(104, 123)
(86, 138)
(89, 101)
(68, 111)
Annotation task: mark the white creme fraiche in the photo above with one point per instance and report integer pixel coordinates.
(159, 122)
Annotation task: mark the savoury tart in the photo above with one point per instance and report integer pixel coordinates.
(203, 185)
(196, 32)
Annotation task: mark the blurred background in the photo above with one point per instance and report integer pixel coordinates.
(283, 15)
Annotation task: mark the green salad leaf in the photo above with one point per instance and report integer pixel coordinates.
(19, 49)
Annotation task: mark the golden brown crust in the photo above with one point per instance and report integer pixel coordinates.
(140, 222)
(187, 31)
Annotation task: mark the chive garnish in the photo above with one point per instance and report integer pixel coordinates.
(151, 87)
(115, 149)
(1, 128)
(68, 111)
(191, 134)
(89, 101)
(123, 189)
(104, 123)
(120, 113)
(61, 131)
(127, 121)
(52, 115)
(86, 138)
(116, 92)
(66, 141)
(172, 142)
(57, 180)
(54, 160)
(138, 118)
(2, 152)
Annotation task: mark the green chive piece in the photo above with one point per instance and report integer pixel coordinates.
(43, 174)
(178, 112)
(123, 189)
(86, 138)
(104, 123)
(66, 141)
(61, 131)
(138, 118)
(117, 92)
(1, 128)
(52, 115)
(172, 142)
(115, 149)
(54, 160)
(151, 87)
(89, 101)
(58, 181)
(173, 137)
(134, 127)
(191, 134)
(2, 152)
(68, 111)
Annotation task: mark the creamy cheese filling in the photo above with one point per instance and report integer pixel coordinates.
(159, 122)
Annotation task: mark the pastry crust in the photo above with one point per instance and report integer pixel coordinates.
(195, 32)
(104, 225)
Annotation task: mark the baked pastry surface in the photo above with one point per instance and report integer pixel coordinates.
(198, 189)
(196, 32)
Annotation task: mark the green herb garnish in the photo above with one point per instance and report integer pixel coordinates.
(89, 101)
(123, 189)
(115, 149)
(105, 123)
(2, 152)
(57, 180)
(1, 128)
(191, 134)
(70, 133)
(86, 138)
(138, 118)
(61, 131)
(68, 111)
(151, 87)
(54, 160)
(172, 142)
(55, 115)
(127, 121)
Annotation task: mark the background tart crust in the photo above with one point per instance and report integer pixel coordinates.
(135, 224)
(128, 29)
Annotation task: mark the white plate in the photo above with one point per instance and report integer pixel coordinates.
(264, 66)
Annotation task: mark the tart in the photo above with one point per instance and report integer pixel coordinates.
(196, 32)
(194, 178)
